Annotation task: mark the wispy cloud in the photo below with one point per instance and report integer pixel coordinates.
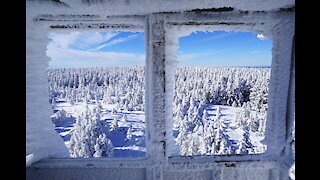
(261, 37)
(62, 40)
(216, 37)
(86, 41)
(83, 50)
(116, 41)
(66, 57)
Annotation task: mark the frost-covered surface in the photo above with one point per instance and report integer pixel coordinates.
(41, 139)
(281, 58)
(292, 172)
(278, 26)
(125, 7)
(171, 64)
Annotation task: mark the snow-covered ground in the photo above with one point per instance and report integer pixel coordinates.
(123, 147)
(229, 113)
(112, 99)
(136, 146)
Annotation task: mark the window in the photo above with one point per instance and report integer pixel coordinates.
(96, 90)
(221, 93)
(162, 40)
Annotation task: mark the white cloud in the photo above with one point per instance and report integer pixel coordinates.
(117, 41)
(82, 50)
(261, 37)
(80, 40)
(89, 40)
(66, 57)
(216, 37)
(62, 40)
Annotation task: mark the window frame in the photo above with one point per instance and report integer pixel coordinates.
(273, 28)
(188, 29)
(158, 29)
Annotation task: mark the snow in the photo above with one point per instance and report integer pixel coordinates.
(42, 141)
(171, 63)
(136, 119)
(271, 30)
(292, 172)
(127, 7)
(29, 159)
(233, 131)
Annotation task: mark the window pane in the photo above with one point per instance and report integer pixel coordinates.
(221, 93)
(96, 88)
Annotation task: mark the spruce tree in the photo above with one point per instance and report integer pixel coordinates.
(244, 143)
(87, 133)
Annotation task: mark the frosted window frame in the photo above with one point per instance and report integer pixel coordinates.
(47, 29)
(281, 37)
(184, 31)
(278, 64)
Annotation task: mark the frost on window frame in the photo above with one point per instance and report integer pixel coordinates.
(199, 130)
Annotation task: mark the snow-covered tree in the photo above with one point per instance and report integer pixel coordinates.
(221, 139)
(87, 133)
(192, 148)
(218, 112)
(124, 118)
(60, 116)
(103, 147)
(194, 88)
(202, 146)
(262, 125)
(182, 136)
(242, 117)
(129, 133)
(253, 122)
(244, 144)
(114, 124)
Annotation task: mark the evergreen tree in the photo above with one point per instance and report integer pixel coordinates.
(262, 125)
(218, 112)
(103, 147)
(89, 132)
(202, 147)
(221, 139)
(114, 124)
(124, 118)
(244, 143)
(209, 135)
(192, 144)
(182, 136)
(129, 133)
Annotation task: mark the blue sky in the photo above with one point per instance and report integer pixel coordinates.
(96, 49)
(101, 49)
(221, 48)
